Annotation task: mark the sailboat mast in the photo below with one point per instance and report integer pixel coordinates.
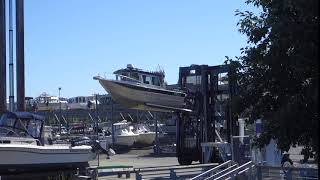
(3, 65)
(11, 76)
(20, 55)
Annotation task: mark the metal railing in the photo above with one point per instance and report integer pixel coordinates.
(214, 170)
(245, 171)
(101, 171)
(287, 173)
(228, 170)
(250, 171)
(171, 172)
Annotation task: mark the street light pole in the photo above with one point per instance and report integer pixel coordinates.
(59, 110)
(96, 113)
(96, 123)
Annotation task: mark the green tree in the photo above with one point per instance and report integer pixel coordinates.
(278, 71)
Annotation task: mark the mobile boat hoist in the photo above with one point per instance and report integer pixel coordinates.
(207, 117)
(209, 93)
(202, 104)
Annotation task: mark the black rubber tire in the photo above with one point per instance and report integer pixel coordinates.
(184, 161)
(286, 159)
(286, 162)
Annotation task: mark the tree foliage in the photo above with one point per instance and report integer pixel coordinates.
(278, 71)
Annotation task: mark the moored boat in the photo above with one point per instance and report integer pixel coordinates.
(22, 146)
(123, 135)
(146, 136)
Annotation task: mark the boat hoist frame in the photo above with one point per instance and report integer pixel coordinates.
(198, 124)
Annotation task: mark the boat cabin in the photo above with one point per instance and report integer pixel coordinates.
(21, 124)
(132, 74)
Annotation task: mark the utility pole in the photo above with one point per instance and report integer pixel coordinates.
(20, 55)
(3, 73)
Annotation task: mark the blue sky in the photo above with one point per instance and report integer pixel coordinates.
(69, 42)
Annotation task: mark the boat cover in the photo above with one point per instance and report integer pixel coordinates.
(23, 115)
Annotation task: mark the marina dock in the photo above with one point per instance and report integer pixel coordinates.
(146, 90)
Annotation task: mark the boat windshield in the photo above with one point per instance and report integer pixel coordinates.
(20, 127)
(126, 78)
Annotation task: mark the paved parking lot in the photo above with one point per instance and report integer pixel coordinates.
(143, 157)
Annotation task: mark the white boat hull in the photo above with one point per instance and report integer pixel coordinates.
(135, 96)
(24, 150)
(24, 154)
(125, 140)
(146, 138)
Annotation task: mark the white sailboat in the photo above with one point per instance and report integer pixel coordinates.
(22, 146)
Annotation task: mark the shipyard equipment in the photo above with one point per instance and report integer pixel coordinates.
(209, 95)
(202, 102)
